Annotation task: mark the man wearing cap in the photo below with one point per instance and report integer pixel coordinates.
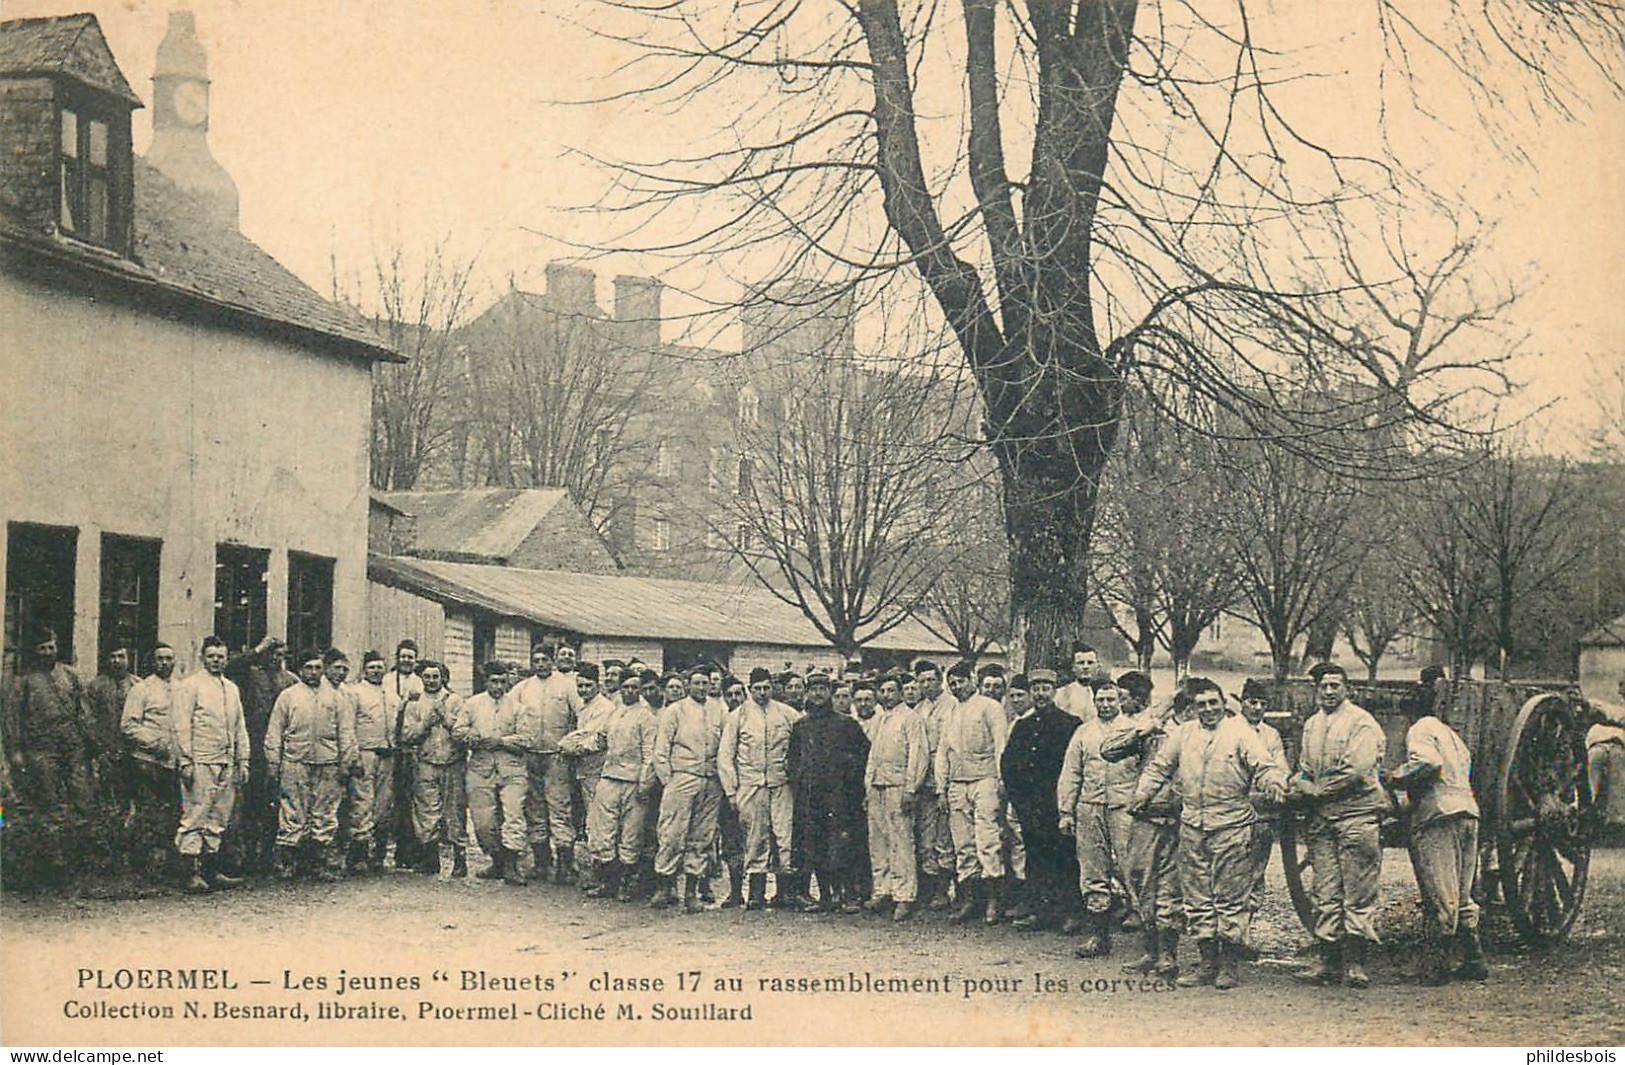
(149, 736)
(551, 705)
(865, 707)
(1094, 795)
(1443, 821)
(47, 739)
(1078, 697)
(967, 764)
(730, 832)
(1220, 764)
(211, 753)
(1338, 782)
(584, 747)
(440, 787)
(310, 748)
(261, 676)
(1031, 768)
(896, 770)
(685, 759)
(405, 687)
(372, 794)
(1254, 702)
(826, 763)
(492, 729)
(104, 698)
(934, 847)
(620, 803)
(751, 766)
(1150, 864)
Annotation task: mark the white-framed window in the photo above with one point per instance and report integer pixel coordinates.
(750, 406)
(661, 533)
(743, 539)
(665, 459)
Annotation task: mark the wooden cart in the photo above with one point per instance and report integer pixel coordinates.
(1527, 740)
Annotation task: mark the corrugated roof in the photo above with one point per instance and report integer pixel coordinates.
(639, 607)
(486, 522)
(63, 45)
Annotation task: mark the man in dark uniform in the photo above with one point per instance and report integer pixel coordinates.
(260, 675)
(1031, 765)
(47, 741)
(104, 698)
(826, 761)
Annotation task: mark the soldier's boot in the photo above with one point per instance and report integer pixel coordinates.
(564, 864)
(1354, 952)
(1167, 954)
(1432, 966)
(1228, 957)
(992, 887)
(512, 874)
(969, 900)
(212, 873)
(1014, 899)
(706, 898)
(380, 851)
(331, 870)
(286, 860)
(902, 912)
(939, 899)
(196, 882)
(758, 892)
(1146, 963)
(736, 885)
(877, 904)
(691, 895)
(429, 860)
(664, 894)
(1132, 921)
(459, 861)
(357, 859)
(1208, 970)
(627, 881)
(1330, 971)
(495, 871)
(541, 857)
(1097, 942)
(1473, 966)
(599, 878)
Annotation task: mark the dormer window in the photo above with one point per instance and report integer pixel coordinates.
(91, 153)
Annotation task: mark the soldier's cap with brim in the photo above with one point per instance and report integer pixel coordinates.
(1036, 675)
(819, 677)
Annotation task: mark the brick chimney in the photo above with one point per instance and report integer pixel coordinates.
(637, 310)
(572, 289)
(180, 121)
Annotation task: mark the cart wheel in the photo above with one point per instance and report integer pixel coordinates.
(1542, 819)
(1295, 865)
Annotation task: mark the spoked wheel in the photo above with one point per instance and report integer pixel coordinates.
(1543, 817)
(1295, 865)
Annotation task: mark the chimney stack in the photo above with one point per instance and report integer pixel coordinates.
(637, 310)
(572, 289)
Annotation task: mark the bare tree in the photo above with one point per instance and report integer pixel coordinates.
(1378, 612)
(1163, 176)
(1443, 580)
(968, 603)
(555, 392)
(1289, 524)
(835, 503)
(420, 301)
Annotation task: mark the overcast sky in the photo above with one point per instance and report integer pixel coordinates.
(350, 124)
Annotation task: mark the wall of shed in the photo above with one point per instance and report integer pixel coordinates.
(124, 422)
(598, 648)
(513, 641)
(459, 650)
(394, 615)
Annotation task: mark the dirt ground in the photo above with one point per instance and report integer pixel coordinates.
(568, 956)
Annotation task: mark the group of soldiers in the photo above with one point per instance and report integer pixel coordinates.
(1057, 799)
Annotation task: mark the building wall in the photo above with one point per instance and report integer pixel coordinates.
(748, 656)
(124, 422)
(394, 615)
(513, 641)
(598, 648)
(459, 651)
(564, 540)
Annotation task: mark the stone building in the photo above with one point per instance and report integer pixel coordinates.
(186, 423)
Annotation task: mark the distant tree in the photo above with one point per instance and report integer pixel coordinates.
(968, 603)
(835, 506)
(1377, 611)
(554, 393)
(417, 302)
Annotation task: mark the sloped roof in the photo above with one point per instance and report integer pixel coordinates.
(69, 46)
(1611, 634)
(638, 607)
(484, 522)
(181, 255)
